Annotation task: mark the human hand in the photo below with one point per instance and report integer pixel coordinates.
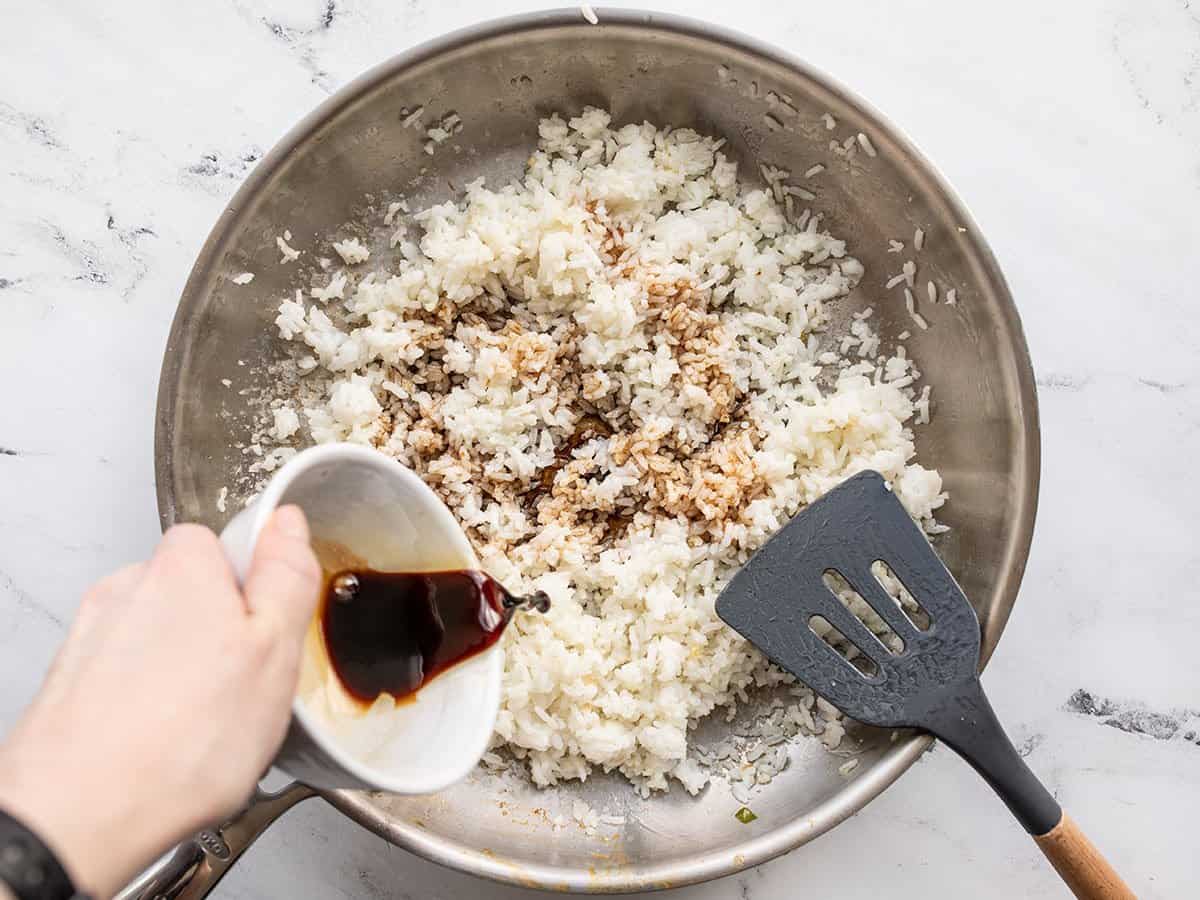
(166, 703)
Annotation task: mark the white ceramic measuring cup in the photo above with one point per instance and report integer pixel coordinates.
(382, 512)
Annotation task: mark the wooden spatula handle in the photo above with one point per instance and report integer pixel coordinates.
(1079, 864)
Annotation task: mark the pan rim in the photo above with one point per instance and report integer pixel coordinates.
(897, 759)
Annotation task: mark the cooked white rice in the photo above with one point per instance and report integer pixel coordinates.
(352, 251)
(290, 254)
(613, 372)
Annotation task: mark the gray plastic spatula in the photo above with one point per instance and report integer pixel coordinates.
(932, 683)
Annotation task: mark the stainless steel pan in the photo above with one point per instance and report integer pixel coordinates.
(500, 78)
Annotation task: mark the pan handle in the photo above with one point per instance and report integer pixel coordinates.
(193, 868)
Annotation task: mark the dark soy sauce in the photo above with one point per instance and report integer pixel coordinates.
(391, 632)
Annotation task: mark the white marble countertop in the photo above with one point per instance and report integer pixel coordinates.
(1071, 128)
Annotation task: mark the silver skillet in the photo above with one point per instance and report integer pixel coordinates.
(355, 152)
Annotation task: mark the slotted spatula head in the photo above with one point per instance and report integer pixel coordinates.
(931, 682)
(774, 598)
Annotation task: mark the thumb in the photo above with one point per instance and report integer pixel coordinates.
(284, 582)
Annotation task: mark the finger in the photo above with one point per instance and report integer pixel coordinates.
(190, 565)
(284, 582)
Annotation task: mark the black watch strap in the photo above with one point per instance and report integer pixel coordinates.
(28, 867)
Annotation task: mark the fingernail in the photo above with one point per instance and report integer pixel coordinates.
(291, 522)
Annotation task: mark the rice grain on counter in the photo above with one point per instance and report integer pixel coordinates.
(611, 373)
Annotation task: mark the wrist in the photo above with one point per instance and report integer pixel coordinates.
(29, 867)
(93, 832)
